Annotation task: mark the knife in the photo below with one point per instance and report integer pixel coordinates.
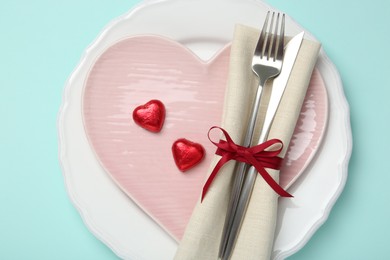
(278, 87)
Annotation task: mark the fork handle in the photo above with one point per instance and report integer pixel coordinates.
(240, 170)
(267, 219)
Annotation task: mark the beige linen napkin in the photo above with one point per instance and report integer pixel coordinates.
(203, 233)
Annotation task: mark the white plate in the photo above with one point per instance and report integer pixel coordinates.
(204, 26)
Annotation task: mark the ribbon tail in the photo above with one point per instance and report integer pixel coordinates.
(213, 174)
(271, 182)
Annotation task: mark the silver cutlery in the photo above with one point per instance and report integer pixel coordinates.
(266, 64)
(278, 87)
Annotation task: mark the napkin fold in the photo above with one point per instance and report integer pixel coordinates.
(203, 233)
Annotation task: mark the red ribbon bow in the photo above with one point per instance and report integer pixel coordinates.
(255, 155)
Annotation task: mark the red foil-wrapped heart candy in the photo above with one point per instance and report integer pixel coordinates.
(187, 154)
(150, 116)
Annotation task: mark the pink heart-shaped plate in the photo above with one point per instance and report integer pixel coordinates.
(138, 69)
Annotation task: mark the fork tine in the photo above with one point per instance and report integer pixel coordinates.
(270, 37)
(279, 54)
(275, 40)
(261, 42)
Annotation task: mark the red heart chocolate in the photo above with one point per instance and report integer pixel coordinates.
(187, 154)
(150, 116)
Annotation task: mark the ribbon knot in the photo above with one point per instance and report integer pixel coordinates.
(242, 152)
(260, 156)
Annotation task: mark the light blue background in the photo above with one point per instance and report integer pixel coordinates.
(42, 41)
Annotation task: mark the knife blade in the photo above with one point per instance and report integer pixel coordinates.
(278, 87)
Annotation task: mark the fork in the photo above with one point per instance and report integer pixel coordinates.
(266, 64)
